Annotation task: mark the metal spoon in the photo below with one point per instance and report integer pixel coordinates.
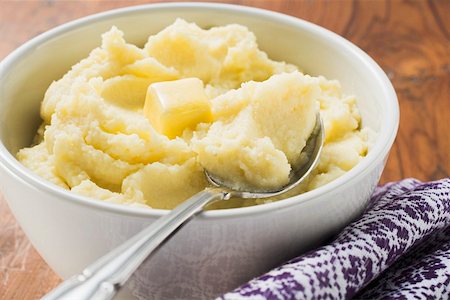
(103, 279)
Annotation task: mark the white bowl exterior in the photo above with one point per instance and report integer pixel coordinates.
(207, 257)
(219, 249)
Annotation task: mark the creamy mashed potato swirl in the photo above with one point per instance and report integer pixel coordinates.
(96, 141)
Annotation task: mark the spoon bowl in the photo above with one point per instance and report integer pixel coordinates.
(309, 157)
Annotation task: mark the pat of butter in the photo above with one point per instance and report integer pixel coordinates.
(172, 106)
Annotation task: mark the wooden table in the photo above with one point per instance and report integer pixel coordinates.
(409, 39)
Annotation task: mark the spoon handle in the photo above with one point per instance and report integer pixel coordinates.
(103, 278)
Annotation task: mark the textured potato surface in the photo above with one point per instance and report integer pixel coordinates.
(97, 141)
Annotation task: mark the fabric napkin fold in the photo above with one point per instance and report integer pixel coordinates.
(398, 249)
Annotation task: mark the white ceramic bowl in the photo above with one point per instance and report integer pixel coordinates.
(218, 250)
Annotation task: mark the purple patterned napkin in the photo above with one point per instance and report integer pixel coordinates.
(398, 249)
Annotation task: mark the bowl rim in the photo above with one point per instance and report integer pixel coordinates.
(377, 154)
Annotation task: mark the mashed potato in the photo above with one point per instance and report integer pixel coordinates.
(97, 141)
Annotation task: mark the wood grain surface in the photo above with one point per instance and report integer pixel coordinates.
(409, 39)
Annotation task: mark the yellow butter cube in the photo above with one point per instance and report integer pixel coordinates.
(172, 106)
